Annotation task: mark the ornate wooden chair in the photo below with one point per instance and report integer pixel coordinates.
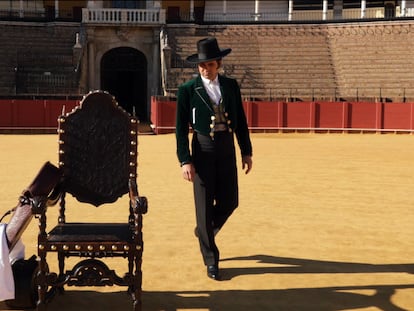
(98, 158)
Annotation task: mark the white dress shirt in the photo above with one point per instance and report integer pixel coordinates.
(213, 89)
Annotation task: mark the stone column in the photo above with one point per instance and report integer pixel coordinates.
(155, 81)
(165, 57)
(363, 8)
(337, 9)
(325, 10)
(290, 10)
(56, 8)
(403, 8)
(256, 10)
(21, 9)
(191, 10)
(91, 60)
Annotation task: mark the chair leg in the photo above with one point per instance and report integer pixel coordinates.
(136, 296)
(137, 302)
(134, 289)
(41, 304)
(61, 260)
(41, 283)
(136, 306)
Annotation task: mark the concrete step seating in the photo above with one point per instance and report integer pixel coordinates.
(268, 58)
(32, 49)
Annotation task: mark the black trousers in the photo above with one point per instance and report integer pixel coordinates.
(215, 188)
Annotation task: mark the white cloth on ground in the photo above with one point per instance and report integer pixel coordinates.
(6, 260)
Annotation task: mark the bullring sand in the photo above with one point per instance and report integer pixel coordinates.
(325, 223)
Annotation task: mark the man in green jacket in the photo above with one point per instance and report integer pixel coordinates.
(211, 104)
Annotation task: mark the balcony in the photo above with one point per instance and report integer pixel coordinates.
(123, 16)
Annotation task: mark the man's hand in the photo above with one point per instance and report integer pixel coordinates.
(247, 163)
(188, 171)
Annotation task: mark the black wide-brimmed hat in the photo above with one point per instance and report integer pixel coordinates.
(207, 50)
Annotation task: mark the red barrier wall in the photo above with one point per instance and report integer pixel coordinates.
(32, 114)
(43, 114)
(263, 114)
(29, 113)
(163, 116)
(331, 115)
(299, 115)
(363, 115)
(308, 115)
(6, 113)
(54, 108)
(398, 116)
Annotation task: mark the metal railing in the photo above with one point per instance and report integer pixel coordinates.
(246, 17)
(295, 16)
(39, 15)
(123, 16)
(158, 16)
(32, 82)
(371, 94)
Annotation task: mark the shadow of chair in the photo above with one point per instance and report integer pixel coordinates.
(98, 159)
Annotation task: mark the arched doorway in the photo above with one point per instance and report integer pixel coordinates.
(124, 75)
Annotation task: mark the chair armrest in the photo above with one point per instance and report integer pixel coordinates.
(33, 200)
(45, 181)
(138, 203)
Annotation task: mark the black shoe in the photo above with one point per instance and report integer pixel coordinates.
(213, 272)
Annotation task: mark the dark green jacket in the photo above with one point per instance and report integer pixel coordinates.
(194, 109)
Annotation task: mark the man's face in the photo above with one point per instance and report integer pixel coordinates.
(209, 70)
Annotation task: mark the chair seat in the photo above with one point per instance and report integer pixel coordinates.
(91, 232)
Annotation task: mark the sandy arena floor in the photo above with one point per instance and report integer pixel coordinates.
(325, 223)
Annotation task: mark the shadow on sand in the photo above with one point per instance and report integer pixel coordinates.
(333, 298)
(296, 265)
